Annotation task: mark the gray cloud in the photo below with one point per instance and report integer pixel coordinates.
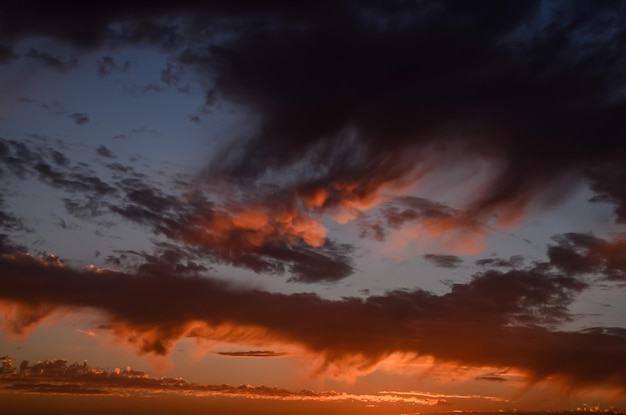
(52, 61)
(107, 65)
(444, 261)
(80, 118)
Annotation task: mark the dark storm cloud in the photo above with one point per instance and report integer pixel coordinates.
(534, 89)
(89, 27)
(444, 261)
(501, 318)
(370, 95)
(80, 118)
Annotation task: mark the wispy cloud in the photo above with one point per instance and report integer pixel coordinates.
(253, 353)
(60, 377)
(52, 62)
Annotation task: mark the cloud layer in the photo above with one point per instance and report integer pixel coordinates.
(502, 318)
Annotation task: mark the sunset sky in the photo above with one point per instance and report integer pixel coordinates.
(349, 207)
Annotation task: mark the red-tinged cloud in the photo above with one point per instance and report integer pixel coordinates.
(501, 318)
(267, 233)
(404, 219)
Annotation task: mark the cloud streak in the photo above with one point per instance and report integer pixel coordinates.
(60, 377)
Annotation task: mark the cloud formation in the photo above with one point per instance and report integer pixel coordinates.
(57, 376)
(503, 318)
(375, 97)
(577, 253)
(107, 65)
(367, 97)
(444, 261)
(52, 61)
(358, 103)
(80, 118)
(253, 231)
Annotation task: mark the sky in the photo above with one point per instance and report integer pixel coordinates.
(379, 207)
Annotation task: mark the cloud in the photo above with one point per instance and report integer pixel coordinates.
(17, 157)
(253, 353)
(370, 103)
(412, 217)
(57, 376)
(252, 231)
(444, 261)
(492, 378)
(8, 221)
(374, 96)
(52, 61)
(152, 87)
(172, 74)
(503, 318)
(107, 65)
(388, 86)
(88, 192)
(105, 152)
(80, 118)
(515, 261)
(577, 253)
(261, 235)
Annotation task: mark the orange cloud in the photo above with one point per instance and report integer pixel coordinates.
(501, 318)
(60, 377)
